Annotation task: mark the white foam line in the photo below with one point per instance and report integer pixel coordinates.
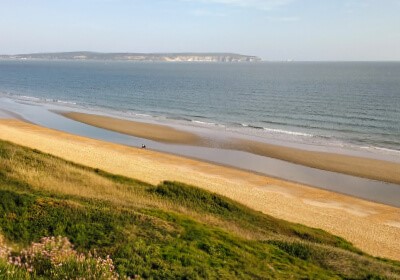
(206, 123)
(380, 149)
(288, 132)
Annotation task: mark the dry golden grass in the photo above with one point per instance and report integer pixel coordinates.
(54, 176)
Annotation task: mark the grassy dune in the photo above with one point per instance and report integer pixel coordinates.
(168, 231)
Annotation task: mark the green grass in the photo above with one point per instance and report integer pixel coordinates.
(169, 231)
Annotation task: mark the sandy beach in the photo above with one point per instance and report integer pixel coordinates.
(357, 166)
(372, 227)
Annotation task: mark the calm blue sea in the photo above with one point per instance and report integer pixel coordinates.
(342, 103)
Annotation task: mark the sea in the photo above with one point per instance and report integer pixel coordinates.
(354, 105)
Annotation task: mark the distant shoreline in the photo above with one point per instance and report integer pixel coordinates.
(137, 57)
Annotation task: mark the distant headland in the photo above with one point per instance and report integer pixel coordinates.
(142, 57)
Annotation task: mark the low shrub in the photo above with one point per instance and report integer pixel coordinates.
(55, 258)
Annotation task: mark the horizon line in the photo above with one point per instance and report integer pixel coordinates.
(203, 53)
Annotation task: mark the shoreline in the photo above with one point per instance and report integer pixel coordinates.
(153, 132)
(370, 226)
(213, 128)
(368, 168)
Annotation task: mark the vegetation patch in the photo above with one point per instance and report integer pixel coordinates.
(62, 220)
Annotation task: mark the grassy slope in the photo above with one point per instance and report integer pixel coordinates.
(167, 231)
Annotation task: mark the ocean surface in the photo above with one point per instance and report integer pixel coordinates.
(339, 104)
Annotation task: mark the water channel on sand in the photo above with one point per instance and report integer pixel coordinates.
(377, 191)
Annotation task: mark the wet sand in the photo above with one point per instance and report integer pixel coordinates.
(373, 227)
(351, 165)
(5, 114)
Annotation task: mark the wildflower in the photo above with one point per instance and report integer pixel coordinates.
(59, 252)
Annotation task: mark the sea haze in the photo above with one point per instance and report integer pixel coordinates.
(338, 104)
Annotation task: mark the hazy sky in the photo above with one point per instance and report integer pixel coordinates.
(271, 29)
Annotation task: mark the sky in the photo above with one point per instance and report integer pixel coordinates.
(275, 30)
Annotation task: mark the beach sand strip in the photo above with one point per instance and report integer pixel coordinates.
(154, 132)
(351, 165)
